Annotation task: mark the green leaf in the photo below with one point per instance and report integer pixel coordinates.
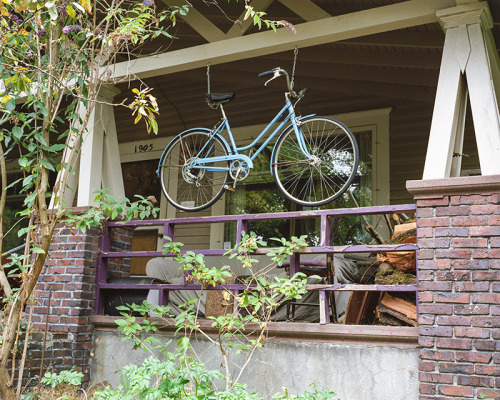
(37, 250)
(39, 137)
(46, 164)
(154, 125)
(14, 183)
(71, 11)
(29, 199)
(10, 105)
(41, 108)
(17, 132)
(28, 180)
(56, 147)
(23, 231)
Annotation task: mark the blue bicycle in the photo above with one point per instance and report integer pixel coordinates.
(313, 162)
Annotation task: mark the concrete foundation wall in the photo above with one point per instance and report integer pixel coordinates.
(355, 371)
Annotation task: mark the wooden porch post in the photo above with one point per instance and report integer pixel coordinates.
(468, 65)
(99, 160)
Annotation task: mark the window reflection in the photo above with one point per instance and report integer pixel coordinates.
(259, 194)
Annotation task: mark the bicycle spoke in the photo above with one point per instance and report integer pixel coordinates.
(189, 186)
(325, 176)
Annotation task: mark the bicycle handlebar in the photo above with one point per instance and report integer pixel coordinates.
(276, 72)
(266, 73)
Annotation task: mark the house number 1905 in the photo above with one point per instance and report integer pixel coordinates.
(143, 148)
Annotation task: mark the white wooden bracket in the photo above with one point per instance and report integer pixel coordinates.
(100, 165)
(97, 163)
(470, 66)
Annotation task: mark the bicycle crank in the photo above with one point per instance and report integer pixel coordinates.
(239, 170)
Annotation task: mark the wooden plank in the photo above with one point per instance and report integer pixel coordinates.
(198, 22)
(354, 54)
(324, 311)
(71, 167)
(239, 29)
(399, 308)
(112, 176)
(363, 288)
(297, 330)
(389, 209)
(324, 70)
(367, 22)
(400, 305)
(361, 307)
(411, 39)
(446, 109)
(305, 9)
(484, 104)
(90, 177)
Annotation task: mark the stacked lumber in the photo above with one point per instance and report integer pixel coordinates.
(220, 302)
(393, 309)
(401, 260)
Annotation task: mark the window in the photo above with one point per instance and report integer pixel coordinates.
(259, 194)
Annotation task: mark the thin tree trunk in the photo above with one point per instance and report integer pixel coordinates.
(6, 390)
(4, 283)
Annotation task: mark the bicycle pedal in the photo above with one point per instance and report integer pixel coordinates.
(227, 187)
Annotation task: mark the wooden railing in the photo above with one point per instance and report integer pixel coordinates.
(324, 247)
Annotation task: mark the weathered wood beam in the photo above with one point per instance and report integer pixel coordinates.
(357, 56)
(372, 74)
(422, 39)
(431, 40)
(367, 22)
(239, 29)
(198, 22)
(305, 9)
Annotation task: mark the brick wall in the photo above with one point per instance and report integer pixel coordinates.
(65, 297)
(458, 230)
(120, 240)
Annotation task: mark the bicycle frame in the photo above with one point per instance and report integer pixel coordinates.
(197, 163)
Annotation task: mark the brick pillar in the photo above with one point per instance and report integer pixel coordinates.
(458, 233)
(68, 280)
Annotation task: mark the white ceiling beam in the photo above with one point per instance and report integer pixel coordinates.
(305, 9)
(240, 27)
(198, 22)
(343, 27)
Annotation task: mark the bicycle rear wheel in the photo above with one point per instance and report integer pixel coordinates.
(192, 189)
(333, 167)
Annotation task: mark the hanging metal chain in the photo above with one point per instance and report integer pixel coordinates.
(295, 52)
(208, 78)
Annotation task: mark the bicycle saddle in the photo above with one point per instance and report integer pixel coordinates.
(220, 98)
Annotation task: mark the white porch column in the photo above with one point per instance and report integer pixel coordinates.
(468, 63)
(99, 159)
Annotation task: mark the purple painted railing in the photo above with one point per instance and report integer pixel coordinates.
(241, 222)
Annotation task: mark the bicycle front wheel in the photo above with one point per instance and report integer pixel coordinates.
(188, 187)
(328, 173)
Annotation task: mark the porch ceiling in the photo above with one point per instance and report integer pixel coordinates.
(397, 69)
